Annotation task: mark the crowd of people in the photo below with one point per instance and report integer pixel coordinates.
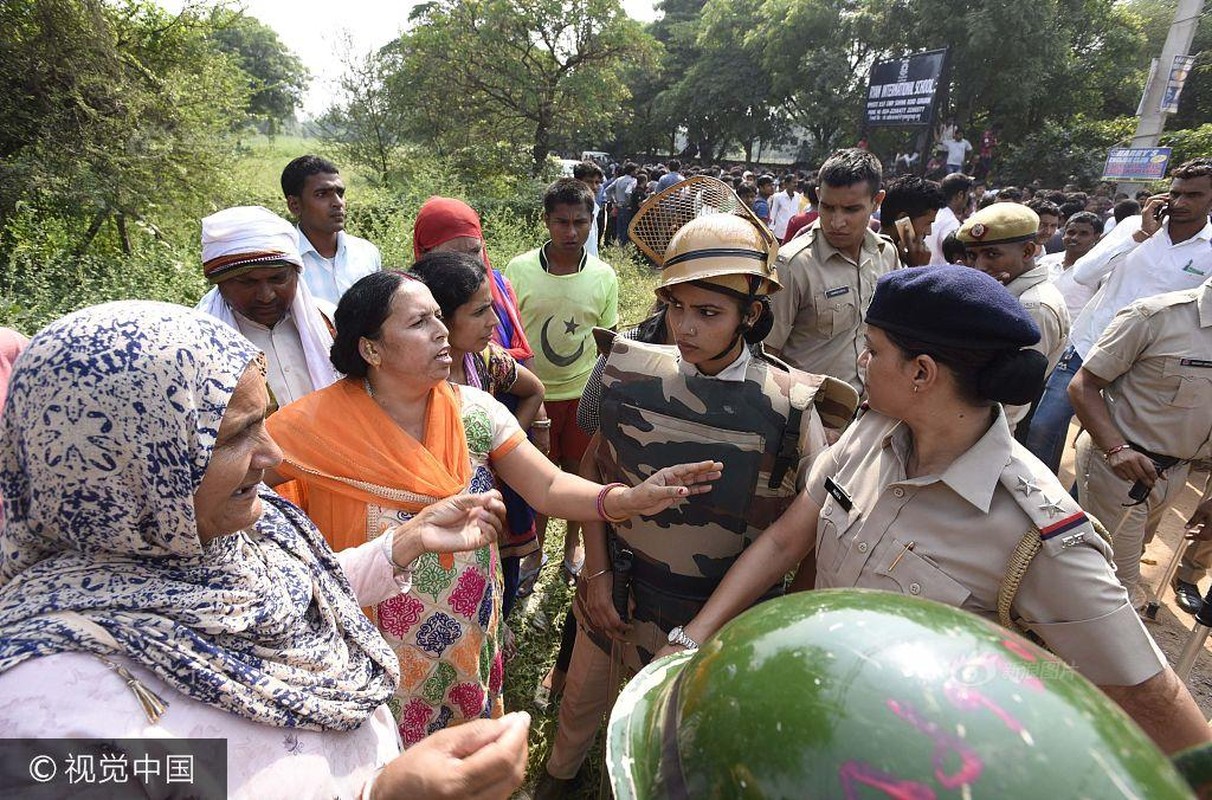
(310, 504)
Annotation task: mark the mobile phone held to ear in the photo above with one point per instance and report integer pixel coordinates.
(1162, 212)
(905, 232)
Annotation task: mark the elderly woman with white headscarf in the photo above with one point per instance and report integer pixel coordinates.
(151, 587)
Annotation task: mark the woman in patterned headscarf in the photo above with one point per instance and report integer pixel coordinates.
(151, 587)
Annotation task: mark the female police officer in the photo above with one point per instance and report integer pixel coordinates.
(927, 494)
(711, 393)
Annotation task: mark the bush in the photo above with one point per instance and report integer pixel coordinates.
(41, 278)
(1188, 144)
(1074, 150)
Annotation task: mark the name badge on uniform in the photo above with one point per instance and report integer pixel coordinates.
(1196, 362)
(838, 494)
(838, 292)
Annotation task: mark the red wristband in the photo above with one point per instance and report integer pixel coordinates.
(602, 502)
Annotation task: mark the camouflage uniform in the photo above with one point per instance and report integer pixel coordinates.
(756, 415)
(652, 413)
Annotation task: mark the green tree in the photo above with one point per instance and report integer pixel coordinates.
(1022, 64)
(370, 122)
(277, 78)
(111, 112)
(115, 137)
(723, 94)
(539, 71)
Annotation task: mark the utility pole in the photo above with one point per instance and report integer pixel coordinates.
(1178, 43)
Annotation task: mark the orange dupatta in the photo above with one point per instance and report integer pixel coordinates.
(346, 452)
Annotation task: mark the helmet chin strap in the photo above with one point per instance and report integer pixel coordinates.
(740, 331)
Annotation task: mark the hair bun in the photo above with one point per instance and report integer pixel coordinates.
(1015, 378)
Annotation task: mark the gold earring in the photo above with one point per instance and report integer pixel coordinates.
(915, 388)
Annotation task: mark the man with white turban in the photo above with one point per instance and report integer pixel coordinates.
(251, 255)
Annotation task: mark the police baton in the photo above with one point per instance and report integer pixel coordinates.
(1151, 608)
(1195, 642)
(621, 590)
(1138, 494)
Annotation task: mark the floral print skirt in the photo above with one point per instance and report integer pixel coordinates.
(446, 634)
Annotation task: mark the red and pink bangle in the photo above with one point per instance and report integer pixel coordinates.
(602, 503)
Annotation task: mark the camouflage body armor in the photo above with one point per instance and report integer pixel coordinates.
(653, 414)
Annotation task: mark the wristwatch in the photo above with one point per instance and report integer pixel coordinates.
(678, 636)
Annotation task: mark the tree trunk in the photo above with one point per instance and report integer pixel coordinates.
(542, 141)
(93, 229)
(123, 237)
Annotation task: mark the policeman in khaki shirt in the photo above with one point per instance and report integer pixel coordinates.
(1144, 397)
(829, 273)
(1000, 241)
(927, 494)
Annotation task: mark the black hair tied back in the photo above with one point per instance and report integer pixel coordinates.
(1015, 377)
(760, 329)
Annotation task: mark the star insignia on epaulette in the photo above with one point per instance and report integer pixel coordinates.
(1026, 486)
(1053, 507)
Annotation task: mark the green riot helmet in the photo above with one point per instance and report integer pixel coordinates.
(852, 693)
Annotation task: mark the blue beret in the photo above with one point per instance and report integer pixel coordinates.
(951, 306)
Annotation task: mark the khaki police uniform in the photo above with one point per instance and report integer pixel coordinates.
(818, 316)
(948, 537)
(1046, 306)
(1157, 356)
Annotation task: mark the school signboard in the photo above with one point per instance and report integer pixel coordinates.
(903, 91)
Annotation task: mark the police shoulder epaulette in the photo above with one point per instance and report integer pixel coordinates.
(1154, 304)
(1052, 511)
(797, 245)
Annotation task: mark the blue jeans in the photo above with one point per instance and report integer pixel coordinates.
(1050, 424)
(621, 223)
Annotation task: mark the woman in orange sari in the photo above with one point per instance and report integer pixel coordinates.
(395, 436)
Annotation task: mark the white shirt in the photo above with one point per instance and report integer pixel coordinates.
(622, 189)
(956, 151)
(733, 372)
(782, 208)
(287, 373)
(1133, 271)
(591, 244)
(329, 278)
(945, 223)
(1076, 296)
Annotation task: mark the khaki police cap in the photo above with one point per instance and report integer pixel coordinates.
(723, 249)
(999, 223)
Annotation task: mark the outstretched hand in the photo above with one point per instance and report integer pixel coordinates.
(482, 760)
(666, 486)
(459, 523)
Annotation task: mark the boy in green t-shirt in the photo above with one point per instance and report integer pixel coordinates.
(563, 293)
